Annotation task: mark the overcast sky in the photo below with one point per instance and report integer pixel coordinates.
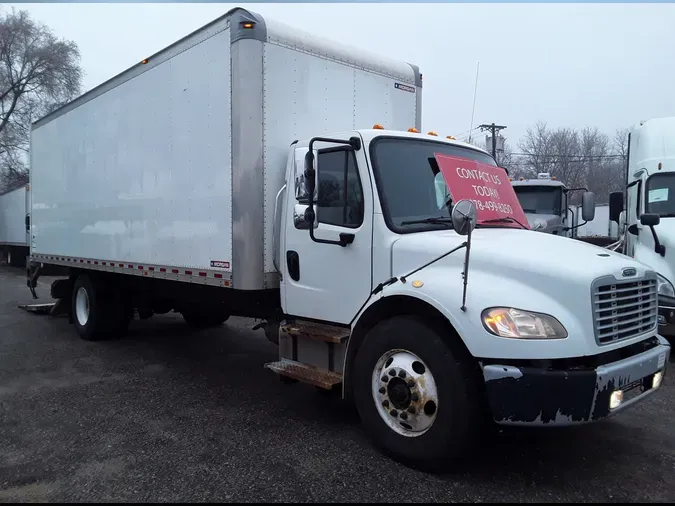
(573, 65)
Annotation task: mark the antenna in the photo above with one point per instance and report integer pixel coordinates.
(473, 109)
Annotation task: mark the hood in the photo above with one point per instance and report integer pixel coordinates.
(515, 253)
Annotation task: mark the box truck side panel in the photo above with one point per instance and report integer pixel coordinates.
(316, 87)
(12, 217)
(141, 172)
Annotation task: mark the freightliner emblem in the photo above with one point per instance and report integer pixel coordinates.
(628, 271)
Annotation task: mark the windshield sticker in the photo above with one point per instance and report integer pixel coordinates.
(658, 195)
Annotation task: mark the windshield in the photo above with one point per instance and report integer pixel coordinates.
(539, 200)
(661, 194)
(410, 184)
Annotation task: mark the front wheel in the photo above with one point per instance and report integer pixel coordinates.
(417, 396)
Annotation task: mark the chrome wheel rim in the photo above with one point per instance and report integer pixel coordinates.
(405, 393)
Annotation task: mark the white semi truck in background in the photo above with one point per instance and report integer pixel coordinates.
(14, 210)
(205, 180)
(647, 224)
(547, 206)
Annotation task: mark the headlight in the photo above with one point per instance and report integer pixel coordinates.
(665, 287)
(519, 324)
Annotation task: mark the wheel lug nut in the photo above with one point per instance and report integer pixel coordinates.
(415, 397)
(401, 374)
(404, 416)
(393, 412)
(392, 372)
(383, 390)
(385, 378)
(411, 383)
(411, 410)
(385, 403)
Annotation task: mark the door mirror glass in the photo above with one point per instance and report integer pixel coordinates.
(301, 219)
(301, 194)
(615, 206)
(588, 206)
(464, 216)
(310, 174)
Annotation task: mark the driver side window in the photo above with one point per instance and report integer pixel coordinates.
(340, 195)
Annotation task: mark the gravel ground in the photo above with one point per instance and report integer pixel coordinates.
(173, 415)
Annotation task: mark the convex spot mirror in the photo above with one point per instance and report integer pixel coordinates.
(464, 216)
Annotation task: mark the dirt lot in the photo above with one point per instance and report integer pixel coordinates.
(173, 415)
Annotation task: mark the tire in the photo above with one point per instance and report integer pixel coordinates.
(203, 317)
(435, 421)
(99, 313)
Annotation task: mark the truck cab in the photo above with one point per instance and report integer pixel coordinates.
(647, 223)
(546, 202)
(428, 291)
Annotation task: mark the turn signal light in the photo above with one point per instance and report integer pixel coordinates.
(247, 26)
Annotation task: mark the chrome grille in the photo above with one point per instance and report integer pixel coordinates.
(624, 309)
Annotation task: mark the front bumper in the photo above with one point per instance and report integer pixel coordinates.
(575, 395)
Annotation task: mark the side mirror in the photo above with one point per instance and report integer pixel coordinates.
(650, 219)
(464, 216)
(310, 174)
(588, 206)
(615, 206)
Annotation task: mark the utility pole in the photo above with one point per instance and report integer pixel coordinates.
(493, 129)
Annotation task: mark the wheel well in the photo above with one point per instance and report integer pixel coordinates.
(398, 305)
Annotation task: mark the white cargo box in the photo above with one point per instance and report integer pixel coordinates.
(14, 206)
(171, 168)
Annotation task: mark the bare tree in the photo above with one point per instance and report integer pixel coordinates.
(38, 73)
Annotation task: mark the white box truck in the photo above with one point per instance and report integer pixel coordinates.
(646, 225)
(14, 209)
(205, 180)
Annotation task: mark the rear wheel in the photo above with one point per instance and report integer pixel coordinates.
(417, 397)
(99, 312)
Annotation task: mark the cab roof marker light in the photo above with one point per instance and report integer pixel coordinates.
(377, 126)
(451, 137)
(432, 133)
(413, 130)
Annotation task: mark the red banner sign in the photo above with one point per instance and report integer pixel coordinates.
(488, 186)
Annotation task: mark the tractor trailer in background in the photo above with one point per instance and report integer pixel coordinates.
(236, 173)
(14, 210)
(545, 201)
(647, 221)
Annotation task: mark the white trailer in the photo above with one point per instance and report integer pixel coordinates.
(205, 180)
(14, 210)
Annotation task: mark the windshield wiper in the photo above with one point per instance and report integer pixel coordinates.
(440, 220)
(506, 219)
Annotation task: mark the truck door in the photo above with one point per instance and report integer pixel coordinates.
(328, 282)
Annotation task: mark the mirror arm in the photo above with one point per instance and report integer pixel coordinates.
(658, 247)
